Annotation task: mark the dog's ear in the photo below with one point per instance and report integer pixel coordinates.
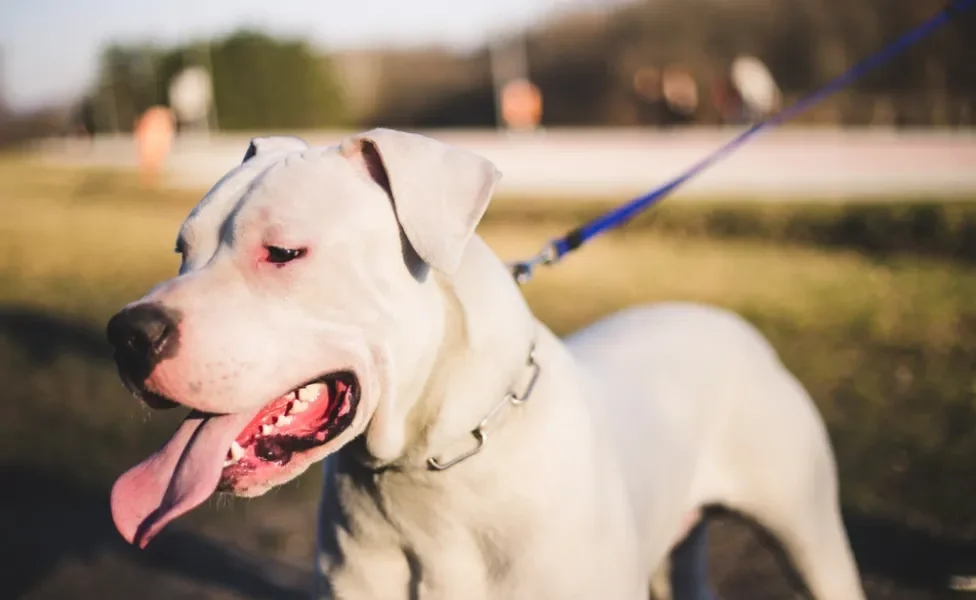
(439, 192)
(276, 143)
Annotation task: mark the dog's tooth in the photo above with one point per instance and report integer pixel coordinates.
(266, 429)
(297, 407)
(228, 463)
(236, 451)
(310, 392)
(283, 420)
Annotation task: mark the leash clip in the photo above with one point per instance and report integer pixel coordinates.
(524, 270)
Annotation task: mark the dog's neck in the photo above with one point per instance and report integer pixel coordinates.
(488, 336)
(475, 364)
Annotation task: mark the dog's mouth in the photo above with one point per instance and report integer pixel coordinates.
(290, 426)
(236, 453)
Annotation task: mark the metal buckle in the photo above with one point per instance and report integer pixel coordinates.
(480, 433)
(533, 378)
(524, 269)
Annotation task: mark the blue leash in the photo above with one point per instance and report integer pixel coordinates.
(555, 250)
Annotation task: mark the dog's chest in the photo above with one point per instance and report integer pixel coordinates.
(457, 571)
(419, 547)
(411, 544)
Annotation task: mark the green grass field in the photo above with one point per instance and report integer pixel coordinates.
(871, 306)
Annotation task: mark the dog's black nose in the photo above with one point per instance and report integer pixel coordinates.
(142, 336)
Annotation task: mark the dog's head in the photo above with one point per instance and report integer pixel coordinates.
(303, 309)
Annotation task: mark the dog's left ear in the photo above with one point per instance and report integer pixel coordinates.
(439, 192)
(275, 143)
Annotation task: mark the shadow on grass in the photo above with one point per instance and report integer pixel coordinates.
(43, 337)
(911, 557)
(48, 516)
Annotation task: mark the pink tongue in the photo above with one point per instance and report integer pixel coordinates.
(176, 479)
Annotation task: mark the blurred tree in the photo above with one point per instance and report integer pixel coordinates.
(260, 82)
(126, 86)
(264, 83)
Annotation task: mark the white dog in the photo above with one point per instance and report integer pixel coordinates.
(334, 302)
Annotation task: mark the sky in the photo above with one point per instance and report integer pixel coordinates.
(49, 48)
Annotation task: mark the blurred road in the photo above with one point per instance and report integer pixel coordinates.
(785, 163)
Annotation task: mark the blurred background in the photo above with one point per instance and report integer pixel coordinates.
(848, 236)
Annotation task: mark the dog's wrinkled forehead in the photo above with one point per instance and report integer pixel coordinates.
(433, 192)
(284, 194)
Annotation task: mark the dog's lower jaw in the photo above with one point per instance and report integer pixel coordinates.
(404, 388)
(253, 491)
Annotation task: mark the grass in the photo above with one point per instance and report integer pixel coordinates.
(879, 324)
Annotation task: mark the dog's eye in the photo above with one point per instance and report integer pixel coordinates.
(277, 255)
